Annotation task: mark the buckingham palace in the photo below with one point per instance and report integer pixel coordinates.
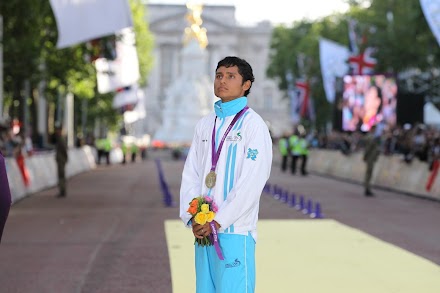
(225, 38)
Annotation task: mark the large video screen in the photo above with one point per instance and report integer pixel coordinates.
(368, 100)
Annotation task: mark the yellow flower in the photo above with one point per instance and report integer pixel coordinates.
(201, 218)
(204, 208)
(211, 216)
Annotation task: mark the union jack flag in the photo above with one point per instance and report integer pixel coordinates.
(363, 63)
(304, 104)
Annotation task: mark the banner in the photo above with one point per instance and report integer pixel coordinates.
(293, 96)
(127, 96)
(139, 111)
(333, 58)
(83, 20)
(305, 108)
(431, 10)
(124, 70)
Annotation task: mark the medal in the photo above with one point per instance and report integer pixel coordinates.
(210, 179)
(215, 155)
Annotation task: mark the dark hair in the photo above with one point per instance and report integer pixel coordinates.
(244, 69)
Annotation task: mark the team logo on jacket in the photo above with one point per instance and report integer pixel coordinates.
(234, 137)
(252, 154)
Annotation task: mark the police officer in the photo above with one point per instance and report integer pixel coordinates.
(61, 157)
(303, 150)
(371, 154)
(294, 150)
(283, 145)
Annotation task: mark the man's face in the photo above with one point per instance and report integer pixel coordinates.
(228, 84)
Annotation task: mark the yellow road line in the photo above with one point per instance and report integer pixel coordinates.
(309, 256)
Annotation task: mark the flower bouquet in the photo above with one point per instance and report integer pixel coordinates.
(203, 210)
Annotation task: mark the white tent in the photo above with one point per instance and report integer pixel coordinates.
(431, 114)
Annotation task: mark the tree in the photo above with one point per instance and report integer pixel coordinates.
(302, 39)
(30, 53)
(398, 31)
(144, 39)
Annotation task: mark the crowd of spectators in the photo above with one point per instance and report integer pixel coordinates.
(420, 142)
(10, 143)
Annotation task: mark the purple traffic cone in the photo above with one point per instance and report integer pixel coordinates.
(286, 197)
(283, 195)
(300, 204)
(267, 188)
(277, 193)
(292, 200)
(307, 210)
(274, 189)
(317, 214)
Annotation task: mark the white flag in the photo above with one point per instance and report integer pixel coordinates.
(139, 110)
(431, 10)
(83, 20)
(124, 70)
(130, 96)
(333, 58)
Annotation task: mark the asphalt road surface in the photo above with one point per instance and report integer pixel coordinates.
(108, 234)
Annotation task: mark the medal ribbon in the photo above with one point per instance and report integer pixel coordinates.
(216, 154)
(214, 238)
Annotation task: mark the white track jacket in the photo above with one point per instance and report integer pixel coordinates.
(242, 170)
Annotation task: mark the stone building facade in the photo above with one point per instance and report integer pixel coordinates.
(226, 38)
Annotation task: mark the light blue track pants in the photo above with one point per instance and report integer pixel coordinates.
(234, 274)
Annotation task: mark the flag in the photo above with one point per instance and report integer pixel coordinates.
(138, 112)
(311, 114)
(83, 20)
(353, 36)
(127, 96)
(293, 96)
(304, 108)
(124, 70)
(333, 58)
(363, 63)
(431, 10)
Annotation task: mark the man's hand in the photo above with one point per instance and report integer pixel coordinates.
(201, 231)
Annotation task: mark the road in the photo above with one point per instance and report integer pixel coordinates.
(108, 234)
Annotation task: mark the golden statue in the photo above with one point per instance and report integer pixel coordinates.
(195, 31)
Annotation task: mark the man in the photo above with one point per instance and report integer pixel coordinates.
(283, 146)
(5, 195)
(294, 150)
(229, 160)
(303, 152)
(371, 154)
(61, 157)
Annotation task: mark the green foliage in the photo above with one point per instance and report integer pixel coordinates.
(30, 53)
(397, 29)
(144, 39)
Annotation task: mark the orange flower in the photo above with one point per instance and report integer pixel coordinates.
(192, 210)
(194, 203)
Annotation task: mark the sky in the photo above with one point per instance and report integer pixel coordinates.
(276, 11)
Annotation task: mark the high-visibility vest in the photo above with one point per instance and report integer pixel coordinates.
(293, 141)
(303, 147)
(107, 145)
(283, 145)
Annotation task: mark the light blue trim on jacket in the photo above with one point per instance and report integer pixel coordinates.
(223, 110)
